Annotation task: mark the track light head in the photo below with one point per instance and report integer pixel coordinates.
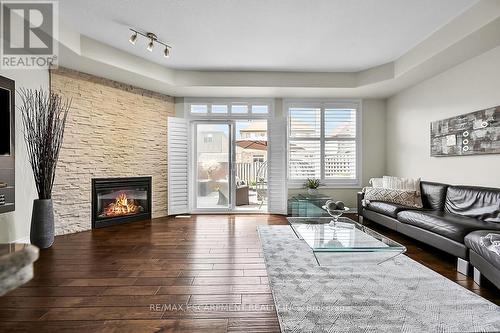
(151, 44)
(133, 38)
(166, 53)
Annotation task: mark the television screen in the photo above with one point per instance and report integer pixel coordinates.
(4, 122)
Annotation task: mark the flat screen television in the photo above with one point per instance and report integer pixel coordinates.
(5, 121)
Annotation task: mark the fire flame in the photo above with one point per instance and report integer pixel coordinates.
(121, 206)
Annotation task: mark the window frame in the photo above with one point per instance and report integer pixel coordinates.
(229, 102)
(322, 105)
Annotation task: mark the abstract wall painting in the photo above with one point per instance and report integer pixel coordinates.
(469, 134)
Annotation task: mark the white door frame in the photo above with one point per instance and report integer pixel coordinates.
(194, 170)
(232, 170)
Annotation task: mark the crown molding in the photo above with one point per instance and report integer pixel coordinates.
(470, 34)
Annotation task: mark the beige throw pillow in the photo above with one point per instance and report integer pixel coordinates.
(377, 182)
(402, 197)
(397, 183)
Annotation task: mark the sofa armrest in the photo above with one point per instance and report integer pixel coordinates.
(361, 195)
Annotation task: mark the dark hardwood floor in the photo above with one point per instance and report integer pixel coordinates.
(199, 274)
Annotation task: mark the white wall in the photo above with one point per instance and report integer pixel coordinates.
(470, 86)
(16, 225)
(179, 107)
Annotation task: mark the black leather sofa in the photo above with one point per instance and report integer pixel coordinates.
(485, 262)
(452, 219)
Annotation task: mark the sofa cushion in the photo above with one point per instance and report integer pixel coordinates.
(451, 226)
(473, 242)
(400, 197)
(476, 202)
(386, 208)
(398, 183)
(376, 182)
(433, 195)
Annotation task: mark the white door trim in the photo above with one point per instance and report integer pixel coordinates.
(193, 171)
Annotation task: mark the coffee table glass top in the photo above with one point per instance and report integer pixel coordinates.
(346, 235)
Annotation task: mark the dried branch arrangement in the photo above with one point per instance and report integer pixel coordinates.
(44, 118)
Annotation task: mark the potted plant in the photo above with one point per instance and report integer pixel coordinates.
(312, 185)
(44, 117)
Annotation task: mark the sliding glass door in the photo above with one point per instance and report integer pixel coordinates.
(250, 148)
(230, 166)
(213, 165)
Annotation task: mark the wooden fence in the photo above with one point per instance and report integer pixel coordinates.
(248, 172)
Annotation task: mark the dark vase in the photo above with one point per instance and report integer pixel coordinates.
(42, 223)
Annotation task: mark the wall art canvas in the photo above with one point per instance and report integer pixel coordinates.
(469, 134)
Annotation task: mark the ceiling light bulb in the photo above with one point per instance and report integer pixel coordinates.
(166, 53)
(150, 45)
(133, 38)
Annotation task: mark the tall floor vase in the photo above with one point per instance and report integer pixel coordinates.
(42, 223)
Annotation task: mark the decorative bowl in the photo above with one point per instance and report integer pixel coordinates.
(335, 213)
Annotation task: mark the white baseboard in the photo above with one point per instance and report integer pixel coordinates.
(25, 240)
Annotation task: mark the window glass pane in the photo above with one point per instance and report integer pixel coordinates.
(340, 123)
(340, 159)
(239, 108)
(260, 109)
(304, 159)
(199, 108)
(305, 122)
(212, 165)
(219, 108)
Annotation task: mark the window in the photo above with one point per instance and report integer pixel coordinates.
(239, 108)
(258, 158)
(208, 138)
(228, 107)
(260, 109)
(323, 142)
(219, 108)
(199, 109)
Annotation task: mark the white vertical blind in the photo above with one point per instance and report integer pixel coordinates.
(340, 123)
(340, 143)
(305, 159)
(305, 122)
(340, 159)
(323, 143)
(277, 186)
(178, 186)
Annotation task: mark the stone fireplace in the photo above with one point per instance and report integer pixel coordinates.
(113, 130)
(120, 200)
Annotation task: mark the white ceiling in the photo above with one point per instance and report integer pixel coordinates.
(277, 35)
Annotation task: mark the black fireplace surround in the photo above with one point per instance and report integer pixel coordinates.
(120, 200)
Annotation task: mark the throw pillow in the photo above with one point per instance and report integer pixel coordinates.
(377, 182)
(402, 197)
(397, 183)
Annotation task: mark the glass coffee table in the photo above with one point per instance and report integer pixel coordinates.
(345, 241)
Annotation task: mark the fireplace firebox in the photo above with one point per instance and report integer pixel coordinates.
(120, 200)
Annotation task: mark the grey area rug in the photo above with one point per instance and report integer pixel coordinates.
(399, 295)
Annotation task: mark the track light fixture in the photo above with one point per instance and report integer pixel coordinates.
(150, 45)
(133, 38)
(152, 40)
